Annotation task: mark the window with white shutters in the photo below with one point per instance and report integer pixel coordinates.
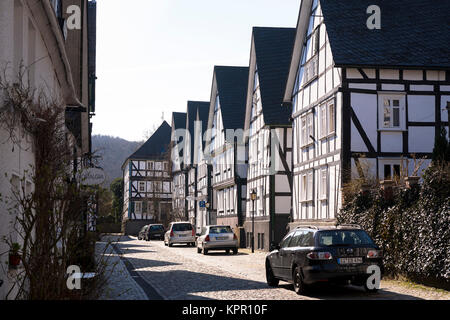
(307, 186)
(323, 183)
(307, 129)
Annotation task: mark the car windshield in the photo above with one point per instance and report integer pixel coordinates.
(156, 228)
(220, 230)
(344, 238)
(182, 227)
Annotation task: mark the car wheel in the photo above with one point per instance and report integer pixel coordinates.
(299, 286)
(270, 278)
(227, 251)
(199, 250)
(235, 251)
(170, 244)
(205, 252)
(139, 238)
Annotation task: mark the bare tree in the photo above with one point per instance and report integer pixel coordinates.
(50, 220)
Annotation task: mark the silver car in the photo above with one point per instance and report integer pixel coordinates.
(180, 232)
(217, 238)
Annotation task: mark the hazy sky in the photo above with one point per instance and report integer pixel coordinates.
(154, 55)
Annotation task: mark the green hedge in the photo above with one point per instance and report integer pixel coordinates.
(412, 228)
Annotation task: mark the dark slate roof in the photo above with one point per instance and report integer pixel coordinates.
(156, 146)
(192, 108)
(232, 85)
(179, 120)
(273, 49)
(414, 33)
(203, 115)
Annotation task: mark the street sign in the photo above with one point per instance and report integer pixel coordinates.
(202, 204)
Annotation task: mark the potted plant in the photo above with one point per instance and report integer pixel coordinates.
(14, 255)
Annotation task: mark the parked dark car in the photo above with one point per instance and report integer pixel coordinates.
(142, 232)
(155, 231)
(309, 255)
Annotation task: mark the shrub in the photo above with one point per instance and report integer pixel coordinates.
(413, 228)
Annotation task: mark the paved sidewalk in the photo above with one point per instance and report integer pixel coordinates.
(121, 285)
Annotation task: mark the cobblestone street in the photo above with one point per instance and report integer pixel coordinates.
(180, 273)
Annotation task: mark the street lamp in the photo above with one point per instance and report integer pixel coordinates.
(253, 198)
(208, 213)
(448, 116)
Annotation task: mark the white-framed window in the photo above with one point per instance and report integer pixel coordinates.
(145, 207)
(138, 207)
(323, 185)
(150, 165)
(166, 166)
(331, 117)
(323, 121)
(310, 127)
(311, 68)
(391, 170)
(392, 111)
(261, 201)
(15, 184)
(166, 186)
(158, 166)
(158, 186)
(327, 114)
(141, 186)
(304, 132)
(315, 41)
(307, 186)
(307, 129)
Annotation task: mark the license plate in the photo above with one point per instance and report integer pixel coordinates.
(350, 260)
(157, 235)
(221, 238)
(182, 235)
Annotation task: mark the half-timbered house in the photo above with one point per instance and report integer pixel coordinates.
(35, 42)
(270, 136)
(193, 138)
(226, 143)
(366, 101)
(179, 176)
(205, 214)
(147, 182)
